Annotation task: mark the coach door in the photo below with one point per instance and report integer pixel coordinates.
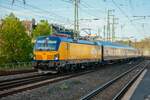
(102, 52)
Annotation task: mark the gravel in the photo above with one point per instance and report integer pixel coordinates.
(74, 88)
(16, 76)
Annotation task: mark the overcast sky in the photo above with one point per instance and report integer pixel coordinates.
(61, 12)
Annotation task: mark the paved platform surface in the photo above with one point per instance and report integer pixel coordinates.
(142, 92)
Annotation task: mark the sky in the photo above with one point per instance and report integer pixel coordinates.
(62, 12)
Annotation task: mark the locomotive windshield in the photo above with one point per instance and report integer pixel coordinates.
(46, 45)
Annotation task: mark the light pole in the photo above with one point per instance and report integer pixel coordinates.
(76, 18)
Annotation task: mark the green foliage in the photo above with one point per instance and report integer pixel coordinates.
(64, 86)
(144, 43)
(15, 44)
(43, 28)
(124, 42)
(76, 82)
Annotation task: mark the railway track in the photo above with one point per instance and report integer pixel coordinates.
(116, 88)
(12, 86)
(6, 84)
(6, 73)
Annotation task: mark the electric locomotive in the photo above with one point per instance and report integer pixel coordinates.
(56, 53)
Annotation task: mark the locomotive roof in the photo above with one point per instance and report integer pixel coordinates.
(104, 43)
(65, 39)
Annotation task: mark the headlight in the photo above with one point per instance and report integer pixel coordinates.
(34, 56)
(56, 57)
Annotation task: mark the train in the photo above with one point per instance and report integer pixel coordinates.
(55, 53)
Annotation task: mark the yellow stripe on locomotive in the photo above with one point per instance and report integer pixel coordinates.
(70, 51)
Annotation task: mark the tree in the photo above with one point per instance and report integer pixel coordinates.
(144, 44)
(43, 28)
(15, 43)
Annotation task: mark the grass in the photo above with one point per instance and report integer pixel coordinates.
(67, 85)
(16, 66)
(64, 86)
(76, 82)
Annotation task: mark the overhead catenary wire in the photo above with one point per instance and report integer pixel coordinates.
(130, 3)
(37, 11)
(89, 6)
(12, 9)
(85, 5)
(43, 10)
(80, 6)
(40, 11)
(122, 11)
(24, 2)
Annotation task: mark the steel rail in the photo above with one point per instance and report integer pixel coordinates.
(14, 79)
(121, 93)
(11, 84)
(30, 85)
(107, 84)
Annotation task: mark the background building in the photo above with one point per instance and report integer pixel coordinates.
(29, 26)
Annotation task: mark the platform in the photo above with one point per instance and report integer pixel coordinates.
(142, 91)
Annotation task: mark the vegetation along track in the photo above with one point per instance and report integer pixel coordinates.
(115, 88)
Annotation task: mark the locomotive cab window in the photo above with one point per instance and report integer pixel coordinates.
(46, 44)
